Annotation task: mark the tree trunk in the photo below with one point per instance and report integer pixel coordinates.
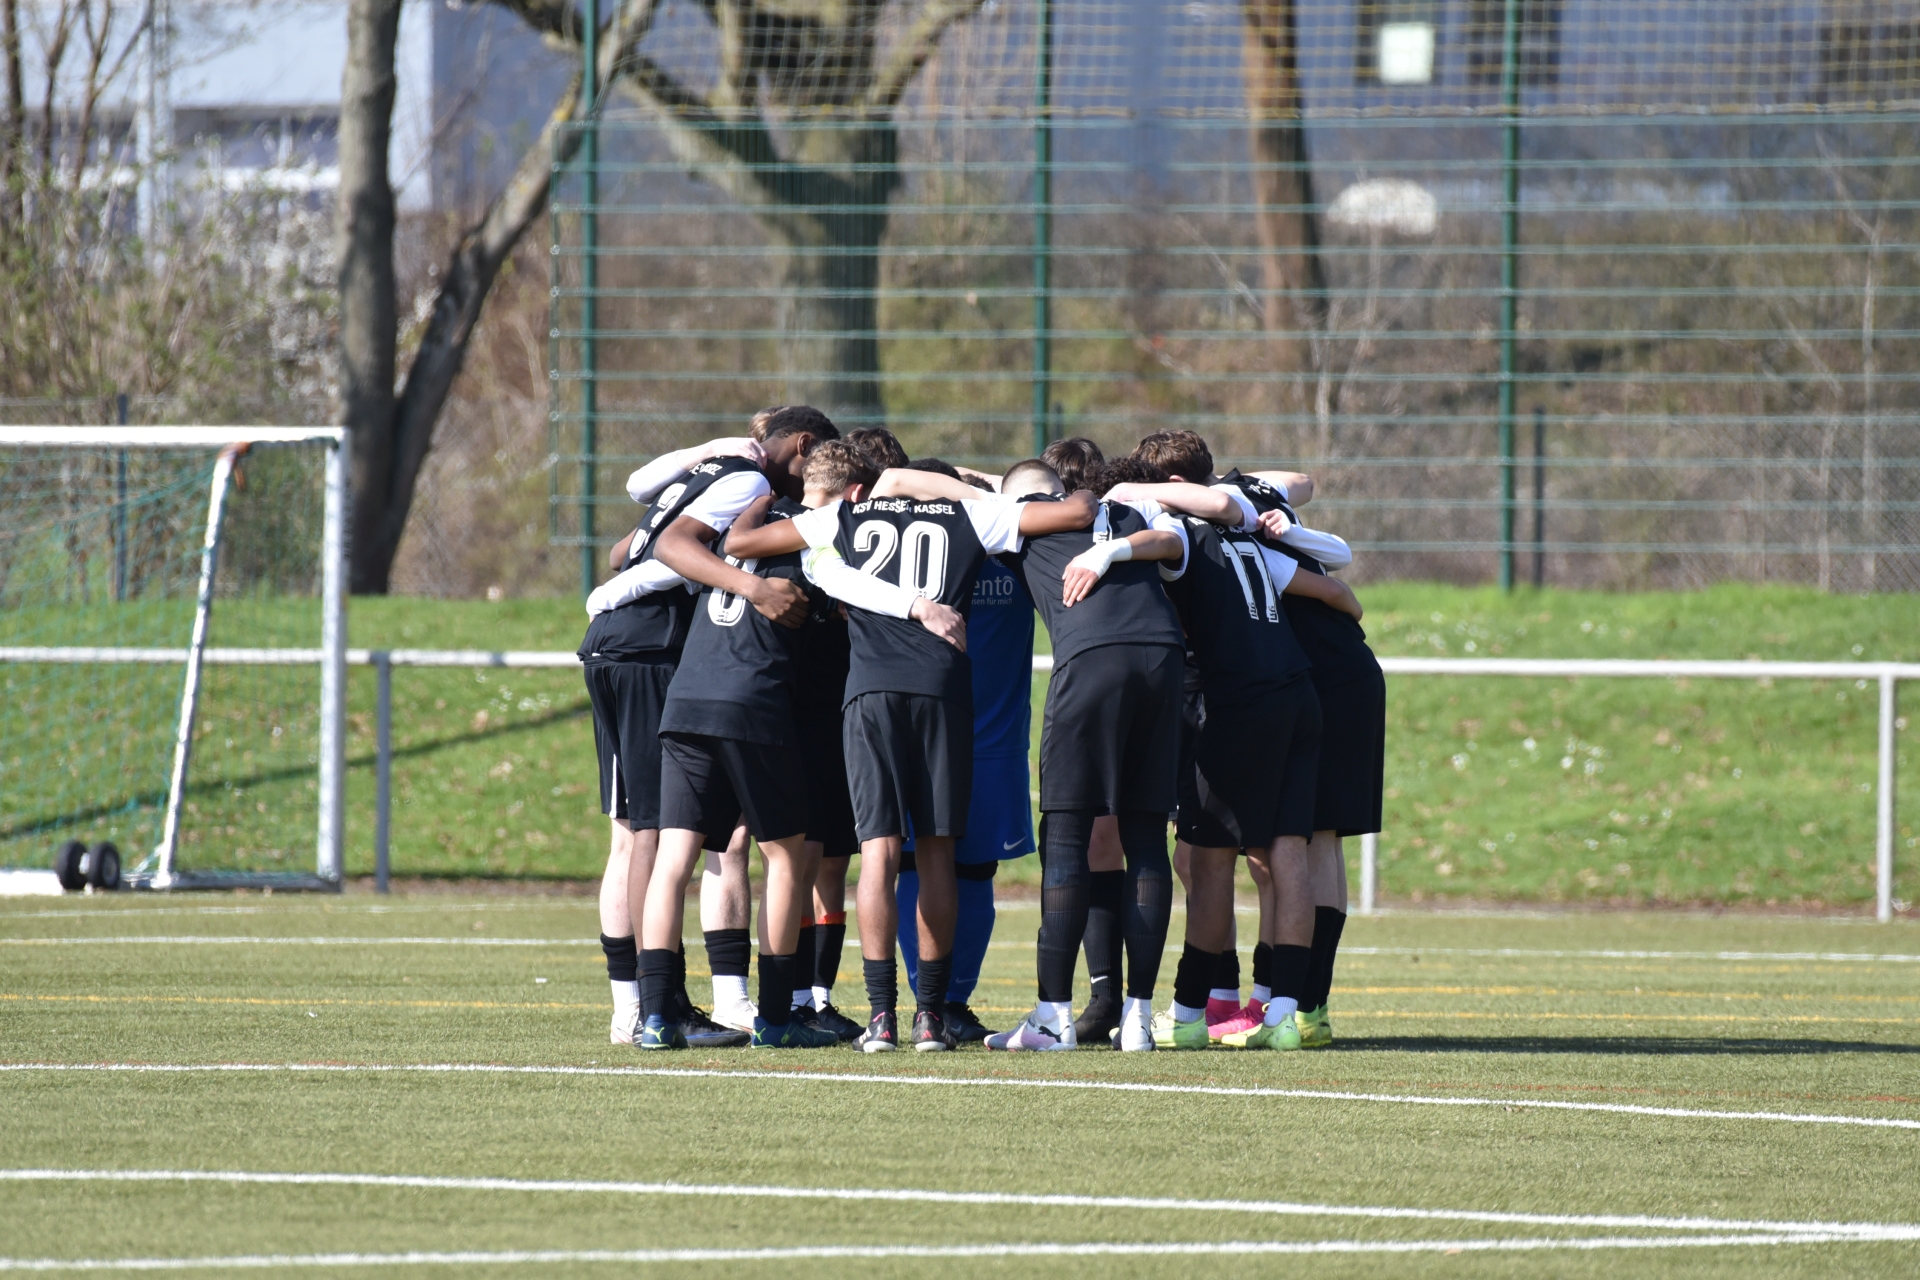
(1293, 281)
(368, 321)
(13, 131)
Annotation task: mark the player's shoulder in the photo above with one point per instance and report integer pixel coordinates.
(713, 468)
(910, 507)
(1258, 491)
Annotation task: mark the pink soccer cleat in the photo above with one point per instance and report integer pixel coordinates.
(1238, 1022)
(1221, 1010)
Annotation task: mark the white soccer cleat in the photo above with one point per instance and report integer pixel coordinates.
(1136, 1026)
(737, 1014)
(625, 1025)
(1032, 1034)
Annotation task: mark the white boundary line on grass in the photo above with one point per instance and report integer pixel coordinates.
(1021, 1249)
(837, 1077)
(217, 939)
(1524, 953)
(1283, 1208)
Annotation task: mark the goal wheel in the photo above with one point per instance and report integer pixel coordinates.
(70, 864)
(103, 866)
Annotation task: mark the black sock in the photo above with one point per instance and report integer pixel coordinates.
(728, 951)
(1262, 965)
(883, 984)
(1106, 904)
(804, 961)
(1148, 900)
(1228, 978)
(930, 989)
(656, 984)
(1289, 967)
(682, 1001)
(829, 940)
(776, 989)
(1063, 900)
(1328, 923)
(1194, 978)
(622, 960)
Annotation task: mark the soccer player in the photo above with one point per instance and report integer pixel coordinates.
(1353, 701)
(909, 716)
(1110, 740)
(640, 619)
(1000, 815)
(1256, 758)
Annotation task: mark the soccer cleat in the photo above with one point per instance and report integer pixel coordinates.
(738, 1014)
(1316, 1029)
(1242, 1021)
(1168, 1034)
(658, 1033)
(965, 1026)
(794, 1035)
(1032, 1035)
(930, 1034)
(828, 1018)
(626, 1022)
(703, 1032)
(1136, 1027)
(1222, 1010)
(1097, 1022)
(1283, 1035)
(882, 1034)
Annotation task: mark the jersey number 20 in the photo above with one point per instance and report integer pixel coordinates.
(922, 548)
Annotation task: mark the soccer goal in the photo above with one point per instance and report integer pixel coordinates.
(172, 657)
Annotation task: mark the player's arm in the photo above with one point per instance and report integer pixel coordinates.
(1332, 591)
(618, 556)
(1203, 501)
(1092, 564)
(1295, 486)
(751, 538)
(684, 547)
(629, 585)
(1075, 511)
(827, 570)
(1329, 549)
(923, 486)
(650, 481)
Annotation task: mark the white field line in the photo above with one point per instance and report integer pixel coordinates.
(1840, 957)
(1284, 1208)
(1021, 1249)
(269, 941)
(827, 1077)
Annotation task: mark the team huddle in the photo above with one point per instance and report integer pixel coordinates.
(816, 643)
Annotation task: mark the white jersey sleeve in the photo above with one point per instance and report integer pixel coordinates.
(629, 585)
(1161, 520)
(1329, 549)
(726, 498)
(833, 575)
(996, 524)
(820, 526)
(1248, 516)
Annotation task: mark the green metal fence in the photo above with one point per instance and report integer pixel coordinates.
(1590, 291)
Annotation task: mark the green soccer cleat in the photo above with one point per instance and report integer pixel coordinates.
(1168, 1034)
(1316, 1029)
(1283, 1035)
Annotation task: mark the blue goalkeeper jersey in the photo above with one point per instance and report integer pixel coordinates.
(1000, 642)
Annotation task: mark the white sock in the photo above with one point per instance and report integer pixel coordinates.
(1134, 1007)
(1261, 995)
(822, 997)
(729, 990)
(1181, 1013)
(1230, 995)
(1055, 1015)
(626, 996)
(803, 998)
(1278, 1008)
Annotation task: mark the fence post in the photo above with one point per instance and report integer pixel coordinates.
(1539, 497)
(1509, 270)
(589, 282)
(1042, 223)
(383, 771)
(1369, 870)
(1883, 850)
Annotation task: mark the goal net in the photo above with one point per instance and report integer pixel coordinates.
(172, 656)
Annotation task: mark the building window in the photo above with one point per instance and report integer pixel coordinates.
(1394, 41)
(1869, 61)
(1539, 42)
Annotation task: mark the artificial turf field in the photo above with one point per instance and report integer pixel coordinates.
(422, 1086)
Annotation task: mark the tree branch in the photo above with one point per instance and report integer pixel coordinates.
(915, 48)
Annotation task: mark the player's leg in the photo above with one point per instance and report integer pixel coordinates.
(1210, 876)
(616, 934)
(1149, 908)
(1290, 936)
(789, 885)
(879, 918)
(1327, 867)
(1066, 836)
(660, 925)
(999, 826)
(937, 910)
(972, 933)
(1226, 1016)
(1106, 931)
(906, 919)
(726, 910)
(829, 941)
(881, 749)
(934, 748)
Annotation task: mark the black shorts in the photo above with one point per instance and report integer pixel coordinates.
(1353, 749)
(909, 765)
(1193, 715)
(829, 803)
(627, 700)
(1111, 737)
(707, 783)
(1256, 769)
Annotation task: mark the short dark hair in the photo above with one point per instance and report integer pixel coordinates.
(1126, 470)
(1178, 453)
(977, 481)
(835, 465)
(881, 447)
(935, 465)
(1071, 459)
(792, 419)
(1023, 466)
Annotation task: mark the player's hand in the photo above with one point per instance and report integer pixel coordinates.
(1274, 523)
(942, 620)
(1076, 582)
(737, 447)
(780, 601)
(1347, 602)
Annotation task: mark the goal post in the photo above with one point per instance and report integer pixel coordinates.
(65, 493)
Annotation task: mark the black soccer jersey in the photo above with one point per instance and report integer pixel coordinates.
(1236, 625)
(934, 549)
(656, 624)
(824, 654)
(1333, 641)
(737, 673)
(1127, 606)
